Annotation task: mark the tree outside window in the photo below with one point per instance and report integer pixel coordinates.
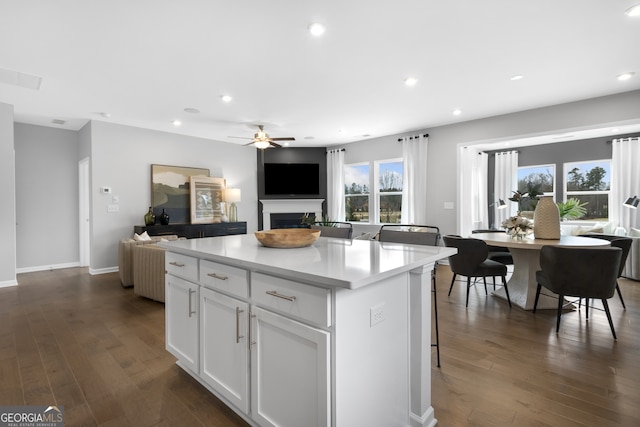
(535, 181)
(590, 182)
(356, 191)
(389, 194)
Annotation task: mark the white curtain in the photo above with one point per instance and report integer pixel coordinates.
(414, 180)
(473, 190)
(335, 185)
(625, 181)
(505, 183)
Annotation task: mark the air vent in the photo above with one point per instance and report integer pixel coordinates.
(58, 121)
(17, 78)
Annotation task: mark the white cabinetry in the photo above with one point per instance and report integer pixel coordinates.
(290, 372)
(224, 346)
(181, 316)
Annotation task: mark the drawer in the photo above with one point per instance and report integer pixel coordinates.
(182, 266)
(292, 298)
(224, 277)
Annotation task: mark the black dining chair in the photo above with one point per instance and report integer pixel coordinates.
(417, 235)
(471, 261)
(623, 243)
(497, 253)
(579, 272)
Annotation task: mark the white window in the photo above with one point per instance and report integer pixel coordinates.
(590, 183)
(357, 180)
(383, 205)
(388, 191)
(538, 180)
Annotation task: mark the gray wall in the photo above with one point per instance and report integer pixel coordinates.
(8, 198)
(444, 142)
(121, 158)
(46, 197)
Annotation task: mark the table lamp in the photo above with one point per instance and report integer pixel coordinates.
(232, 195)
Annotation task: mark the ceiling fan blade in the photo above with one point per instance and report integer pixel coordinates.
(251, 143)
(239, 137)
(290, 138)
(273, 144)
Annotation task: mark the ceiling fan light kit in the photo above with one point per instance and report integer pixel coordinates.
(262, 140)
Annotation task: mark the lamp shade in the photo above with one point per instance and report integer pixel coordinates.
(232, 195)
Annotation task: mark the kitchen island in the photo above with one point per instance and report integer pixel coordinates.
(334, 334)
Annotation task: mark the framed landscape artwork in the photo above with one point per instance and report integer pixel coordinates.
(206, 199)
(170, 191)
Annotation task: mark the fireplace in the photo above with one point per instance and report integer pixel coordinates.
(287, 220)
(287, 213)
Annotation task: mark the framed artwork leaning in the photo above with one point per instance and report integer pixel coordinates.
(170, 189)
(206, 199)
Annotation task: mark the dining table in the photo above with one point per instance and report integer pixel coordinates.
(525, 252)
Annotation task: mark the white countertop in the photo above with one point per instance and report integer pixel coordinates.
(328, 262)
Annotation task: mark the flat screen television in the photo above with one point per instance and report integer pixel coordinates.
(291, 179)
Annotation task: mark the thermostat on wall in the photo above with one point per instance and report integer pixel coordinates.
(106, 190)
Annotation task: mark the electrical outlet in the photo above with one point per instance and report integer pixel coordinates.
(376, 315)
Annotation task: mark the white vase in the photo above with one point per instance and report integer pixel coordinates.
(546, 219)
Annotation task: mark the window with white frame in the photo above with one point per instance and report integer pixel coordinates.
(538, 180)
(383, 205)
(389, 191)
(356, 192)
(590, 183)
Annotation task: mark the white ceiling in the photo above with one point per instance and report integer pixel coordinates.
(145, 61)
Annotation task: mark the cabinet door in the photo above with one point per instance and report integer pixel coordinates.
(223, 346)
(290, 383)
(181, 317)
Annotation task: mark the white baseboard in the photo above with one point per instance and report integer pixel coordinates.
(47, 267)
(8, 283)
(96, 271)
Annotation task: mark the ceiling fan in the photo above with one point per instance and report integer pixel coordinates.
(262, 140)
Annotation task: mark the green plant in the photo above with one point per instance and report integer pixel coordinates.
(325, 221)
(572, 209)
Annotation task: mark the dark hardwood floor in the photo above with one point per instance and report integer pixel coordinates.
(86, 343)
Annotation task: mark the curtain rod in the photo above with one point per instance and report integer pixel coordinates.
(426, 135)
(627, 137)
(336, 150)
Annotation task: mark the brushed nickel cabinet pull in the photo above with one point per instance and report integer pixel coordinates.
(217, 276)
(238, 336)
(191, 311)
(177, 264)
(277, 295)
(251, 317)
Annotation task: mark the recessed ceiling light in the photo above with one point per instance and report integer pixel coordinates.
(176, 123)
(341, 131)
(410, 81)
(316, 29)
(366, 135)
(226, 98)
(58, 121)
(615, 130)
(105, 115)
(191, 110)
(286, 144)
(517, 77)
(633, 10)
(309, 137)
(625, 76)
(457, 112)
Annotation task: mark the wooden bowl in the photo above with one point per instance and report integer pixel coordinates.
(287, 237)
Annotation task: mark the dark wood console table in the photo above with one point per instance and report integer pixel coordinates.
(192, 231)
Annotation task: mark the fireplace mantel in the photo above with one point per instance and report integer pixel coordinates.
(269, 206)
